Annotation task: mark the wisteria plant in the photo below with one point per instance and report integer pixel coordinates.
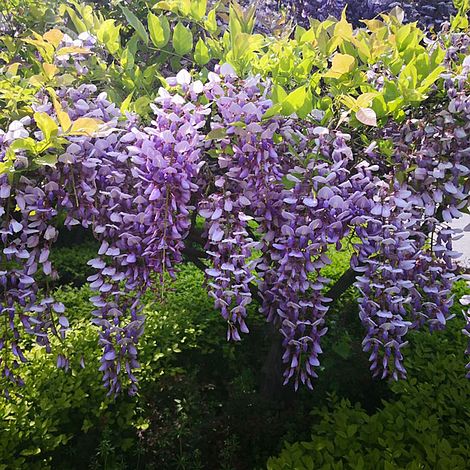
(253, 177)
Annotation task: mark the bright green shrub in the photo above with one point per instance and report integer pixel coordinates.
(425, 427)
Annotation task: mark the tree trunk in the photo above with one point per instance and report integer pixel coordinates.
(271, 374)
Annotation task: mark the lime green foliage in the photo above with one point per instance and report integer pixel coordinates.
(324, 67)
(421, 428)
(54, 406)
(19, 85)
(330, 60)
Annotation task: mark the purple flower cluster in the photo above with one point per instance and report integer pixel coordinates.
(168, 160)
(229, 247)
(27, 210)
(276, 193)
(322, 201)
(76, 61)
(145, 180)
(97, 191)
(405, 257)
(246, 169)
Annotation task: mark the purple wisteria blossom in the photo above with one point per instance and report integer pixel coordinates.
(275, 192)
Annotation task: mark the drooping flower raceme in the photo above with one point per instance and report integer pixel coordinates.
(275, 194)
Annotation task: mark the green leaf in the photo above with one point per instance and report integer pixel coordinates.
(182, 39)
(77, 22)
(201, 53)
(245, 44)
(7, 165)
(159, 28)
(274, 110)
(31, 451)
(431, 78)
(141, 105)
(184, 6)
(126, 103)
(168, 6)
(85, 126)
(49, 159)
(343, 29)
(341, 64)
(343, 347)
(278, 94)
(136, 24)
(211, 22)
(108, 34)
(218, 133)
(198, 9)
(24, 144)
(128, 54)
(47, 125)
(298, 101)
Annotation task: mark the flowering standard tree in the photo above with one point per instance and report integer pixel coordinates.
(252, 195)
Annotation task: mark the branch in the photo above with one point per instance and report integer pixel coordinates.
(341, 285)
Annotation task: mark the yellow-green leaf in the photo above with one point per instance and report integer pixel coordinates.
(108, 34)
(159, 29)
(50, 70)
(7, 165)
(182, 39)
(64, 119)
(26, 143)
(211, 22)
(341, 64)
(184, 6)
(298, 101)
(47, 125)
(73, 50)
(169, 6)
(343, 29)
(49, 159)
(218, 133)
(126, 103)
(431, 78)
(198, 9)
(54, 36)
(85, 126)
(278, 94)
(80, 26)
(365, 99)
(201, 53)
